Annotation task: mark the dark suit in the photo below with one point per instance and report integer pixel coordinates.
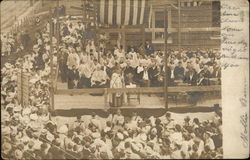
(149, 49)
(206, 73)
(72, 75)
(179, 73)
(216, 73)
(143, 82)
(191, 79)
(153, 76)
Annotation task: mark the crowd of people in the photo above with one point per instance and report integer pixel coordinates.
(85, 62)
(30, 132)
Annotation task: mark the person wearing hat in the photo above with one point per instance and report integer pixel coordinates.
(5, 152)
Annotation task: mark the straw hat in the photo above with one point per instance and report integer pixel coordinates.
(63, 129)
(33, 117)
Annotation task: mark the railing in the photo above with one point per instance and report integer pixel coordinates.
(148, 90)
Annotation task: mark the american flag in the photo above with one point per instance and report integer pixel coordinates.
(121, 12)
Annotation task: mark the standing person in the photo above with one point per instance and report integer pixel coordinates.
(170, 75)
(62, 59)
(73, 60)
(117, 81)
(153, 75)
(85, 73)
(144, 77)
(149, 48)
(73, 78)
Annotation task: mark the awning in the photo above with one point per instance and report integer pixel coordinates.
(122, 12)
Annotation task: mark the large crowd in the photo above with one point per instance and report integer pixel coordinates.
(30, 132)
(85, 62)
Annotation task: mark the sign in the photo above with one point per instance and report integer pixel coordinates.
(23, 88)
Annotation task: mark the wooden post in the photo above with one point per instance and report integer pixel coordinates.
(179, 25)
(83, 11)
(57, 24)
(105, 97)
(143, 37)
(124, 39)
(51, 63)
(165, 56)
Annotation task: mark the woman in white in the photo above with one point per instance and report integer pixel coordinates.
(117, 81)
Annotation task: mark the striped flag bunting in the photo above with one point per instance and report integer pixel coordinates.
(121, 12)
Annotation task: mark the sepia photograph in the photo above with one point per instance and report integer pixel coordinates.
(112, 79)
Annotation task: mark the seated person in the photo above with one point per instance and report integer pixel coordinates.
(129, 79)
(99, 78)
(144, 77)
(191, 77)
(179, 71)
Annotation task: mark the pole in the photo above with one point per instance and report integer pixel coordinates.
(83, 11)
(143, 37)
(124, 39)
(165, 56)
(179, 24)
(51, 62)
(57, 23)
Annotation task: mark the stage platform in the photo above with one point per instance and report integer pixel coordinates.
(97, 102)
(79, 104)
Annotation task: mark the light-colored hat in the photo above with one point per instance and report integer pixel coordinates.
(25, 119)
(6, 147)
(35, 126)
(26, 111)
(6, 130)
(63, 129)
(120, 136)
(5, 116)
(96, 135)
(17, 108)
(10, 105)
(33, 117)
(50, 137)
(44, 131)
(143, 136)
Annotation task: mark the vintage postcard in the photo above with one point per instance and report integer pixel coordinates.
(124, 79)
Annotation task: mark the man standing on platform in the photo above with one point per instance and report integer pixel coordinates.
(149, 48)
(85, 73)
(73, 78)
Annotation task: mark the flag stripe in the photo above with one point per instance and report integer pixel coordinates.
(131, 12)
(142, 11)
(127, 12)
(110, 11)
(123, 11)
(119, 12)
(102, 5)
(114, 12)
(98, 13)
(138, 12)
(106, 11)
(135, 12)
